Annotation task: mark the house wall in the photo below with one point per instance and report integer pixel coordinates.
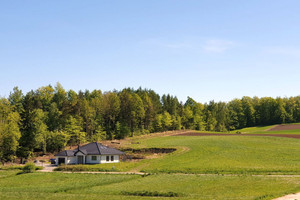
(71, 160)
(68, 159)
(90, 161)
(56, 159)
(100, 159)
(116, 159)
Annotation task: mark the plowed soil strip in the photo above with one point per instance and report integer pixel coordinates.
(239, 135)
(284, 127)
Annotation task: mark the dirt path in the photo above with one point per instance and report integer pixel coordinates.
(271, 128)
(192, 174)
(290, 197)
(90, 172)
(47, 167)
(256, 175)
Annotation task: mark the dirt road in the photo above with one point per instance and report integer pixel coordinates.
(290, 197)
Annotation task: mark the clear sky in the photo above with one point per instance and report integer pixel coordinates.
(206, 49)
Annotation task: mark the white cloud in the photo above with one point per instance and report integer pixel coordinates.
(217, 46)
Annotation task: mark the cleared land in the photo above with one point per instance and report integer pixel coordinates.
(284, 127)
(222, 154)
(212, 155)
(99, 186)
(207, 167)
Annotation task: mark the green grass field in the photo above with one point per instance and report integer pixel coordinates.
(213, 154)
(99, 186)
(253, 129)
(202, 167)
(223, 154)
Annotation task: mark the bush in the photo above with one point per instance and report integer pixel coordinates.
(13, 167)
(78, 168)
(151, 194)
(29, 168)
(18, 167)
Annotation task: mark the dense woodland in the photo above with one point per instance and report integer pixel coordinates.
(49, 118)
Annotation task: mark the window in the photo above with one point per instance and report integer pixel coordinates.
(107, 158)
(94, 157)
(112, 158)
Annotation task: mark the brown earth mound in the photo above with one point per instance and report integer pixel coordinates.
(284, 127)
(224, 134)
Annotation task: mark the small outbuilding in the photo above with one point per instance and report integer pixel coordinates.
(92, 153)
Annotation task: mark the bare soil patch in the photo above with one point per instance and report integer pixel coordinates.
(238, 135)
(146, 153)
(284, 127)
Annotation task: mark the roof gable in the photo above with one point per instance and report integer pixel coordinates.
(82, 151)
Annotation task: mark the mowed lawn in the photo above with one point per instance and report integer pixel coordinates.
(102, 186)
(223, 154)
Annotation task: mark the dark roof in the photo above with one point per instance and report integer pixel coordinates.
(83, 151)
(93, 148)
(66, 153)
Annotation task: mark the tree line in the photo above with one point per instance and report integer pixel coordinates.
(50, 118)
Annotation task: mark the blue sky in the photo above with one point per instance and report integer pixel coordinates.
(206, 49)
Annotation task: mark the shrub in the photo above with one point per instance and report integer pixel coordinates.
(38, 167)
(14, 167)
(18, 167)
(151, 194)
(77, 168)
(29, 168)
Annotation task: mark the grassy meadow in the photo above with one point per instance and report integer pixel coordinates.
(212, 154)
(223, 154)
(202, 167)
(94, 186)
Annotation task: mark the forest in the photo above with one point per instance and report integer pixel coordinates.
(50, 118)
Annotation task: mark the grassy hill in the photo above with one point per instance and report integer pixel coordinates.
(203, 167)
(221, 154)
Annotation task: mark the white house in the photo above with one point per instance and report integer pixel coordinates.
(92, 153)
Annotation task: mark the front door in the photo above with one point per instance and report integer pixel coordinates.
(80, 159)
(61, 161)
